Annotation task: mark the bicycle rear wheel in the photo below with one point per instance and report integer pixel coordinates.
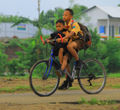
(92, 77)
(42, 83)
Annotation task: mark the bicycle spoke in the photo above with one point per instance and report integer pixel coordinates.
(92, 77)
(43, 81)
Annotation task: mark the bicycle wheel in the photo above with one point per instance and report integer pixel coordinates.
(92, 77)
(42, 83)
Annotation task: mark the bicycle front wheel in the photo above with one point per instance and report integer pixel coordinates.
(43, 80)
(92, 77)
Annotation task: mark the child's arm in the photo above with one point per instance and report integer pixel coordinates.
(67, 36)
(46, 41)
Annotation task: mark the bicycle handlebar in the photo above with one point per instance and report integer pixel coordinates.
(51, 41)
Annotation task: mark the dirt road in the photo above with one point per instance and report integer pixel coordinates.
(61, 100)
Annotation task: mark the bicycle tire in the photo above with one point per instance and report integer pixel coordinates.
(36, 79)
(85, 83)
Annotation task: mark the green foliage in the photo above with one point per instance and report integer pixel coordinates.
(14, 19)
(3, 62)
(108, 51)
(113, 54)
(118, 5)
(12, 66)
(3, 59)
(78, 9)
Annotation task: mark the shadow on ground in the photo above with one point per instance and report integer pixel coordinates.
(80, 102)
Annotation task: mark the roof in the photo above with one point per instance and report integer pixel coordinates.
(111, 11)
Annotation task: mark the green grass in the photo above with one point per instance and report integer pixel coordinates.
(114, 75)
(15, 77)
(15, 89)
(116, 86)
(94, 101)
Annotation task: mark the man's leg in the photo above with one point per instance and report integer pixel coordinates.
(67, 77)
(71, 48)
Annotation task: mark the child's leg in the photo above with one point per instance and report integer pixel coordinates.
(64, 63)
(60, 55)
(71, 48)
(63, 66)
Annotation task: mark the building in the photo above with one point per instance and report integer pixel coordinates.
(105, 19)
(21, 30)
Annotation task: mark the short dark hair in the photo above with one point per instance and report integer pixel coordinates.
(60, 21)
(70, 10)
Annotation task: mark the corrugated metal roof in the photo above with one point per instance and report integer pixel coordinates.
(111, 11)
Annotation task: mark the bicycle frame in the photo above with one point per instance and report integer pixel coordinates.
(51, 62)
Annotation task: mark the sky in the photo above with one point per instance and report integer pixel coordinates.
(28, 8)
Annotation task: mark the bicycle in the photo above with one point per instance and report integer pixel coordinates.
(44, 80)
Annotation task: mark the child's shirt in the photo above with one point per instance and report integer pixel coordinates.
(57, 46)
(55, 35)
(74, 26)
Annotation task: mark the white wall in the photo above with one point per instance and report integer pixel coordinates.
(7, 31)
(94, 14)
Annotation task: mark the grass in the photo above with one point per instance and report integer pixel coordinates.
(94, 101)
(15, 77)
(25, 88)
(15, 89)
(114, 75)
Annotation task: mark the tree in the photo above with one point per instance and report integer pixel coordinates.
(78, 9)
(71, 3)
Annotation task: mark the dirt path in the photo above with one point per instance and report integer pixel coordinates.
(61, 100)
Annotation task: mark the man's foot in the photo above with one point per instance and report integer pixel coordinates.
(69, 82)
(64, 85)
(78, 65)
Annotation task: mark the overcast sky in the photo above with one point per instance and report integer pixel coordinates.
(28, 8)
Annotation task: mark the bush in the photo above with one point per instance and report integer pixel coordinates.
(3, 62)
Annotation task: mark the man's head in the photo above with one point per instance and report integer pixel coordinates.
(60, 25)
(68, 15)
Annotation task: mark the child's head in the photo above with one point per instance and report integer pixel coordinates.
(60, 25)
(68, 14)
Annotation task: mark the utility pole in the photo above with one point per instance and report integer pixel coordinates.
(38, 8)
(39, 15)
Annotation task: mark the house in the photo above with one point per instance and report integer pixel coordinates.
(21, 30)
(105, 19)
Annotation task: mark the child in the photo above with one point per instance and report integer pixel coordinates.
(75, 34)
(59, 49)
(58, 46)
